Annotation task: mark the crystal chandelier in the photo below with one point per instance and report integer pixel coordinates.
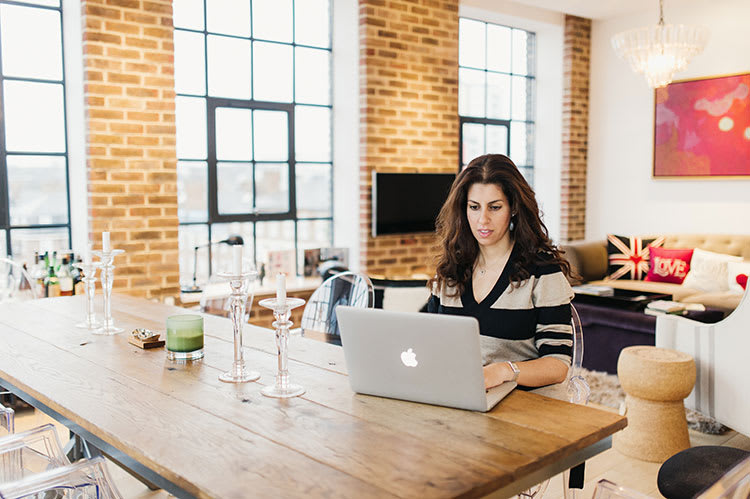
(660, 51)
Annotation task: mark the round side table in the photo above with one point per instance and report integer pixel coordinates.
(656, 381)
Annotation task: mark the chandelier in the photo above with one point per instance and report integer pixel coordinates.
(660, 51)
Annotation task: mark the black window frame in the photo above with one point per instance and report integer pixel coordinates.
(5, 224)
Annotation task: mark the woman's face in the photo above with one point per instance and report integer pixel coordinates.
(488, 212)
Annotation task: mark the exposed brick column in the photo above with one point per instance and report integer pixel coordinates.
(128, 55)
(408, 113)
(575, 115)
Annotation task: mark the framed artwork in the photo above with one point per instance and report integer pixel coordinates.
(702, 128)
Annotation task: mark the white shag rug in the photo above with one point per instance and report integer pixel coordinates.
(606, 390)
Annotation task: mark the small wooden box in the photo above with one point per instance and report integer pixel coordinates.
(149, 343)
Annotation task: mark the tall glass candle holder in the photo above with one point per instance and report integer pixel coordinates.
(108, 274)
(240, 283)
(89, 278)
(282, 310)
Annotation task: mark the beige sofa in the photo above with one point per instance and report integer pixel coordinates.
(589, 260)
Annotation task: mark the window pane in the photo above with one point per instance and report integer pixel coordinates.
(31, 42)
(190, 117)
(221, 254)
(189, 63)
(312, 133)
(312, 23)
(272, 72)
(312, 79)
(3, 249)
(34, 117)
(520, 98)
(25, 242)
(187, 14)
(272, 187)
(271, 138)
(234, 130)
(471, 43)
(312, 234)
(190, 236)
(313, 190)
(273, 236)
(471, 92)
(473, 141)
(192, 191)
(520, 51)
(37, 190)
(228, 17)
(498, 45)
(272, 20)
(229, 67)
(497, 139)
(520, 151)
(528, 174)
(234, 188)
(498, 96)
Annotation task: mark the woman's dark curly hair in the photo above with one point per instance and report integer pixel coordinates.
(459, 247)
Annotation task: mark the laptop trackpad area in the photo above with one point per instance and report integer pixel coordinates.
(497, 393)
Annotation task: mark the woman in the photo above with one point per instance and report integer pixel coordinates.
(498, 264)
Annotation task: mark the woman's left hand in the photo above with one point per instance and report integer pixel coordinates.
(497, 374)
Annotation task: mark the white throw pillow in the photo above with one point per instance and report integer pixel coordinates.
(708, 271)
(733, 270)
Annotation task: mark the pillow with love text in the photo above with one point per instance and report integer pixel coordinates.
(669, 265)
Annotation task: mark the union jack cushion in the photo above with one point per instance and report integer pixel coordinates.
(629, 256)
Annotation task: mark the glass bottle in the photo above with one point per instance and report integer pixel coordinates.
(51, 283)
(65, 278)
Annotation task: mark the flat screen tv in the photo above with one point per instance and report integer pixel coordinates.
(407, 202)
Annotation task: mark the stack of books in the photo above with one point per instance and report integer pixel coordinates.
(591, 289)
(658, 307)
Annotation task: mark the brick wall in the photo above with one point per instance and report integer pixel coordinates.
(575, 111)
(131, 159)
(408, 113)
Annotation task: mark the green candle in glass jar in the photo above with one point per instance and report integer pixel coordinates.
(184, 337)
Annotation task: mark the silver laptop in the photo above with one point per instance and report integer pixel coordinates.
(428, 358)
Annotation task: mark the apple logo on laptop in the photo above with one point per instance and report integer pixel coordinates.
(409, 358)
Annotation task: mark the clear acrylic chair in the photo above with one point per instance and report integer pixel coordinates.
(577, 392)
(15, 282)
(345, 288)
(7, 420)
(735, 484)
(87, 479)
(610, 490)
(30, 452)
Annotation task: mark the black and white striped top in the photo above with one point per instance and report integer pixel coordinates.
(518, 323)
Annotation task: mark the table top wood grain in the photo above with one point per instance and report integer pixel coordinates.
(214, 439)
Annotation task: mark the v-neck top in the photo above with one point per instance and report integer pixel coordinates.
(519, 323)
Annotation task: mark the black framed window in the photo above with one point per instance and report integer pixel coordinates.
(496, 92)
(34, 193)
(253, 114)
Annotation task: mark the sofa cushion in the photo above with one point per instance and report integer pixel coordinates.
(737, 273)
(629, 256)
(669, 265)
(726, 300)
(678, 292)
(708, 271)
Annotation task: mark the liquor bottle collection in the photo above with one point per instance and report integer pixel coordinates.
(55, 274)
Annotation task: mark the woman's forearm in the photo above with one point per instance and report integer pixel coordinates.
(537, 372)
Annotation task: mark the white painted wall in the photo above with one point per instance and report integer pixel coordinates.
(346, 127)
(622, 196)
(548, 27)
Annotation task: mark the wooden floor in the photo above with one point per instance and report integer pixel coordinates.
(612, 465)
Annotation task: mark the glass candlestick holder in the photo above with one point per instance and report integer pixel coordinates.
(89, 279)
(240, 285)
(107, 276)
(282, 310)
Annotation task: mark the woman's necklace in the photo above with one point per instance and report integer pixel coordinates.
(482, 271)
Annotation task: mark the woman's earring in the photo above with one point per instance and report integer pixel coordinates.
(512, 225)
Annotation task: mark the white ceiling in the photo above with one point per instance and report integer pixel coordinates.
(596, 9)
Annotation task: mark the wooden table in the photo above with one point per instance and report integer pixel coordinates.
(180, 427)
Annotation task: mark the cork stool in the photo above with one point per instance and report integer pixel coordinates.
(655, 380)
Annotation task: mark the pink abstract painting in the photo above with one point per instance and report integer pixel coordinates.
(702, 128)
